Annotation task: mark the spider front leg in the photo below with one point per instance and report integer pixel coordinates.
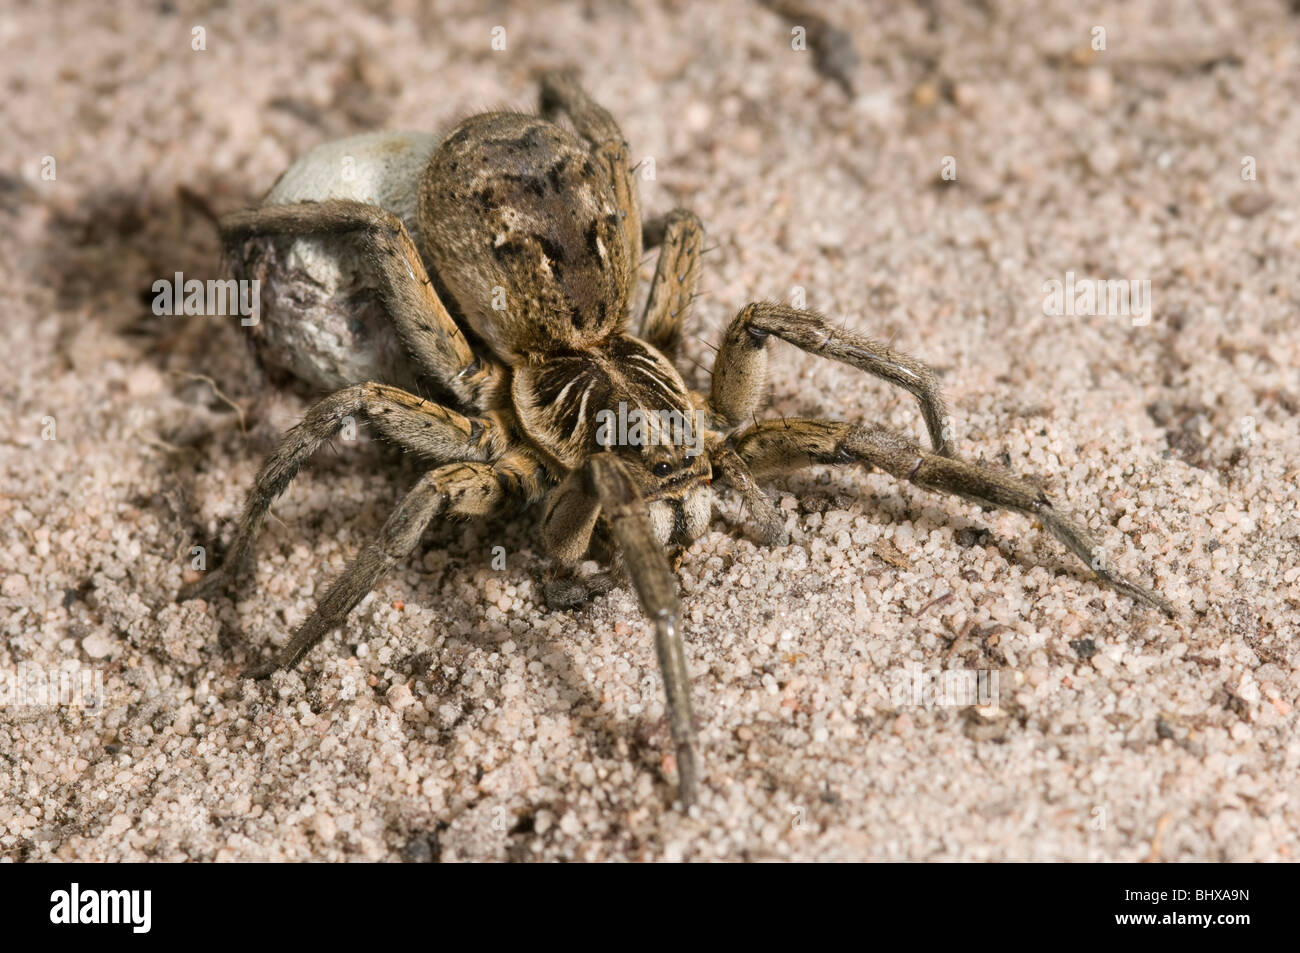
(605, 488)
(568, 528)
(434, 432)
(424, 326)
(456, 490)
(728, 464)
(741, 364)
(656, 586)
(775, 446)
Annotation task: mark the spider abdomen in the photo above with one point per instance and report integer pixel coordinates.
(523, 229)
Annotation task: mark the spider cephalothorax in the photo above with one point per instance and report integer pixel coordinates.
(625, 397)
(533, 235)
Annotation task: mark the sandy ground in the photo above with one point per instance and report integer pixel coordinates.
(454, 717)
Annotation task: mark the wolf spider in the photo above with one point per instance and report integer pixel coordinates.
(534, 234)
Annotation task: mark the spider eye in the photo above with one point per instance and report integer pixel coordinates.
(662, 469)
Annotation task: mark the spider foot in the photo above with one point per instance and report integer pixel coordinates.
(773, 534)
(1138, 593)
(212, 583)
(262, 671)
(564, 590)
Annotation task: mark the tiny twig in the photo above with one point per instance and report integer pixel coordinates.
(239, 411)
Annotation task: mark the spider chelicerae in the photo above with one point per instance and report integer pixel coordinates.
(534, 236)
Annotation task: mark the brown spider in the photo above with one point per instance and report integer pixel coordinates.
(535, 234)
